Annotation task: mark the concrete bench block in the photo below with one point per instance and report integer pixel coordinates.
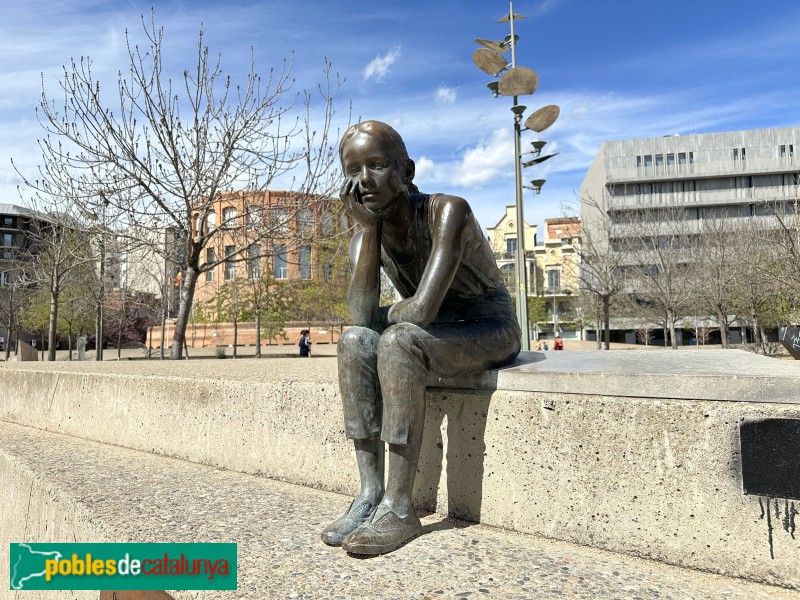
(635, 452)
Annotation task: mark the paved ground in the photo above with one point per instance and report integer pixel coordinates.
(136, 496)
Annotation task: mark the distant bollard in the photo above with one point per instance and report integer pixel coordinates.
(790, 339)
(81, 347)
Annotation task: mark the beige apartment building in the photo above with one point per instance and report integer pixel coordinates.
(552, 267)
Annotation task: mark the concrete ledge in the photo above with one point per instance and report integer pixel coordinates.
(63, 489)
(582, 447)
(730, 375)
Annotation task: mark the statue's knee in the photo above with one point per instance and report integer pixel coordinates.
(357, 341)
(400, 341)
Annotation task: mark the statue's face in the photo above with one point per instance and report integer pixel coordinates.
(378, 180)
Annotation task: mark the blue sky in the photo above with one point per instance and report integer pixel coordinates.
(618, 69)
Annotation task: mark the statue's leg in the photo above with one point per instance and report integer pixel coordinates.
(406, 355)
(402, 370)
(361, 400)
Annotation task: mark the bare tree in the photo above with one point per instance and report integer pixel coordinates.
(658, 243)
(762, 299)
(600, 269)
(14, 296)
(171, 149)
(714, 276)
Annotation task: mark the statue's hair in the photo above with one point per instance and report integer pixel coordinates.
(390, 139)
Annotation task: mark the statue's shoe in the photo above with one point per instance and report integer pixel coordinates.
(383, 534)
(353, 517)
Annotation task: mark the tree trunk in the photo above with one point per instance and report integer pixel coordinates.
(607, 321)
(163, 331)
(98, 330)
(598, 337)
(235, 335)
(187, 297)
(119, 341)
(258, 334)
(671, 323)
(724, 334)
(10, 324)
(52, 326)
(756, 326)
(69, 341)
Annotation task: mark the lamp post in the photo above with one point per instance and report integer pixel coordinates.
(517, 81)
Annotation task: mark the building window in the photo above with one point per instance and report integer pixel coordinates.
(305, 262)
(327, 224)
(327, 271)
(648, 161)
(252, 216)
(735, 154)
(510, 274)
(254, 262)
(554, 280)
(229, 217)
(230, 263)
(304, 220)
(210, 259)
(8, 221)
(511, 246)
(659, 162)
(280, 219)
(3, 279)
(681, 159)
(280, 262)
(782, 150)
(670, 162)
(8, 240)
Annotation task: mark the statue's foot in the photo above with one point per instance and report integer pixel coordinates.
(355, 516)
(382, 533)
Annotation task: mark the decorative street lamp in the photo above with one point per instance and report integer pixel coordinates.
(517, 81)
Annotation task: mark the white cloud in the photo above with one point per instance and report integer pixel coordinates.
(446, 95)
(487, 161)
(425, 170)
(378, 68)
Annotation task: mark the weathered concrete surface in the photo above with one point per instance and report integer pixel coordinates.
(575, 446)
(73, 490)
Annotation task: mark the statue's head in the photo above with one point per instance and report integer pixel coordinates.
(373, 143)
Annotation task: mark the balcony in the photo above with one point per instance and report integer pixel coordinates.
(702, 198)
(702, 169)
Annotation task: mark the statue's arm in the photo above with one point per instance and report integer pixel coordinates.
(363, 296)
(451, 232)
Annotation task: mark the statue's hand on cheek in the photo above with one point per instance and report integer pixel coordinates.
(355, 208)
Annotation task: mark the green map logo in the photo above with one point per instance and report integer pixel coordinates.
(28, 564)
(82, 566)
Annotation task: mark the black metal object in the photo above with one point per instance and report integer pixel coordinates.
(790, 339)
(771, 457)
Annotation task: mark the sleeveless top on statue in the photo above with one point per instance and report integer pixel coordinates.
(477, 276)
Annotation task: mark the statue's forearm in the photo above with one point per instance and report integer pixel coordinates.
(365, 287)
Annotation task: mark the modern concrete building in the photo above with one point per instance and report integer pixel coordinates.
(16, 248)
(727, 174)
(716, 175)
